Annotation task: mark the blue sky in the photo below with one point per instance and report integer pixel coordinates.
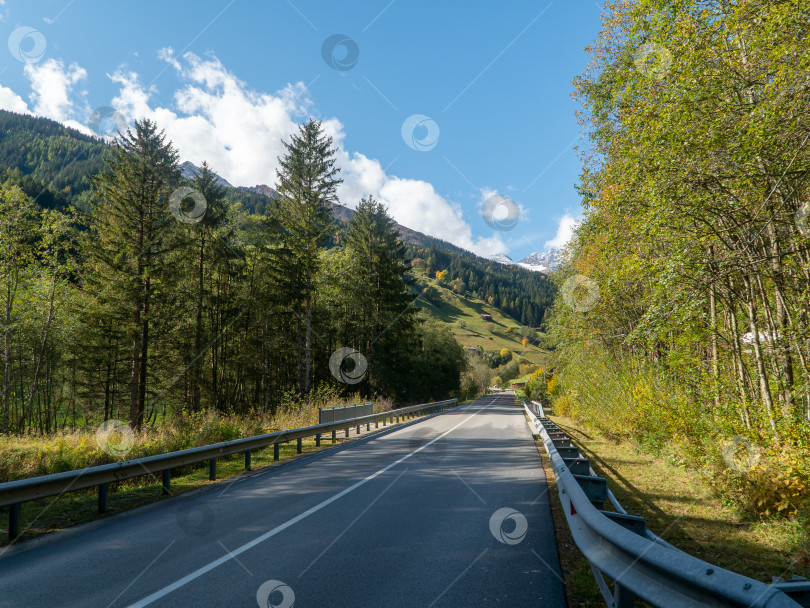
(488, 85)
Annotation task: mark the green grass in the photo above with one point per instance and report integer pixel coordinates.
(683, 509)
(463, 315)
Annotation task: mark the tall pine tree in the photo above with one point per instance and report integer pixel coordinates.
(306, 186)
(133, 232)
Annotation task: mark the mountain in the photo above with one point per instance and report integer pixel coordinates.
(261, 189)
(502, 259)
(545, 261)
(53, 165)
(189, 171)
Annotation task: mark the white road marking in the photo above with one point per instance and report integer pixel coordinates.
(160, 593)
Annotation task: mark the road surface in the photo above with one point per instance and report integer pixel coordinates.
(447, 511)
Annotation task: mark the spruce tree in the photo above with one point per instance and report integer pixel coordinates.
(379, 297)
(133, 233)
(306, 186)
(201, 235)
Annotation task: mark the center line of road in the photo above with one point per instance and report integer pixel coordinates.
(290, 522)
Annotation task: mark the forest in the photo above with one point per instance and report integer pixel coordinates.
(140, 295)
(684, 321)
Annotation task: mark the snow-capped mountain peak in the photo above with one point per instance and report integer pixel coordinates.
(502, 259)
(543, 261)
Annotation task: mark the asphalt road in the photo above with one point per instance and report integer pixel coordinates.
(447, 511)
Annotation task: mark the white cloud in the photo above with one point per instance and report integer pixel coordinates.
(52, 91)
(565, 230)
(217, 118)
(9, 100)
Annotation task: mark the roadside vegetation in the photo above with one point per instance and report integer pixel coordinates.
(682, 326)
(29, 456)
(681, 506)
(161, 300)
(22, 457)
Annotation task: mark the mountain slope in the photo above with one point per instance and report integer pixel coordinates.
(53, 164)
(462, 314)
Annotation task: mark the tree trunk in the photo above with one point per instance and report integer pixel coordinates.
(7, 362)
(144, 352)
(135, 411)
(764, 388)
(308, 357)
(197, 365)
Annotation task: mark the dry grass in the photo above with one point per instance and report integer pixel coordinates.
(682, 508)
(22, 457)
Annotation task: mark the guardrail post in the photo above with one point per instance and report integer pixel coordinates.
(102, 498)
(167, 474)
(624, 598)
(13, 521)
(275, 451)
(334, 436)
(346, 432)
(318, 440)
(247, 460)
(368, 426)
(212, 469)
(358, 429)
(376, 424)
(298, 445)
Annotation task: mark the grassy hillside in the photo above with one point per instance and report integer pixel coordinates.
(462, 313)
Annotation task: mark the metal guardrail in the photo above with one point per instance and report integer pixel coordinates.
(640, 564)
(344, 412)
(535, 407)
(14, 493)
